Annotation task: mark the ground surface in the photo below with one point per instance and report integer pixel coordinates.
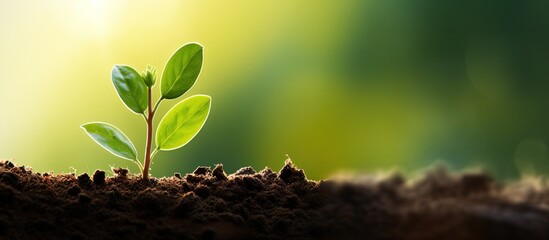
(208, 204)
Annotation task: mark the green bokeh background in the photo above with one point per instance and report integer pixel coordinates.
(337, 85)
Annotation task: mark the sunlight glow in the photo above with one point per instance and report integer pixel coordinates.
(89, 19)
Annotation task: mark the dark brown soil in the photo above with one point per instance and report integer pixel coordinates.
(209, 204)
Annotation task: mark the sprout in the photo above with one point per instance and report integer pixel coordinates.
(149, 76)
(179, 126)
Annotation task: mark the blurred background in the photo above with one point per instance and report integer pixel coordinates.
(360, 86)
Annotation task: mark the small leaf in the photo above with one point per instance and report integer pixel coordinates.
(131, 87)
(112, 139)
(183, 122)
(181, 71)
(149, 76)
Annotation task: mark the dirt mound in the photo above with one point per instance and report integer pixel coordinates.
(209, 204)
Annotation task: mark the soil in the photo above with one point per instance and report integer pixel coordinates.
(209, 204)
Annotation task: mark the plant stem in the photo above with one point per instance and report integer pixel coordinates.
(149, 136)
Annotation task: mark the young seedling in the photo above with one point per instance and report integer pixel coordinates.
(179, 126)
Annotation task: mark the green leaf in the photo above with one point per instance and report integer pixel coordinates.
(131, 87)
(112, 139)
(183, 122)
(181, 71)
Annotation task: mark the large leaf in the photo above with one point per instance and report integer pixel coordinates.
(131, 87)
(112, 139)
(181, 71)
(183, 122)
